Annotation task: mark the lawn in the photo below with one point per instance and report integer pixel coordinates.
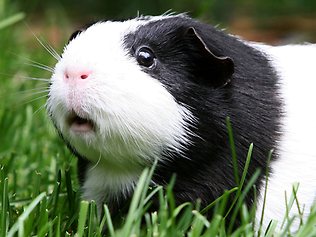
(39, 192)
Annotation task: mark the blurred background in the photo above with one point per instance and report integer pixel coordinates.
(281, 21)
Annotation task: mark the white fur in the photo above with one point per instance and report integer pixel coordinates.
(101, 185)
(135, 116)
(296, 66)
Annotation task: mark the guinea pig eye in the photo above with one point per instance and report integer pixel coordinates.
(145, 57)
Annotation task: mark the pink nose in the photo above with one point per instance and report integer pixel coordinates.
(75, 75)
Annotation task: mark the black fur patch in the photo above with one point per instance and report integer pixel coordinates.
(250, 98)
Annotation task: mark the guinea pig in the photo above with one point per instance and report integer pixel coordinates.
(125, 94)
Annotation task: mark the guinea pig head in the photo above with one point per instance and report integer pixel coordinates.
(106, 107)
(113, 92)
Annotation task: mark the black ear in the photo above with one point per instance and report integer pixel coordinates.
(209, 69)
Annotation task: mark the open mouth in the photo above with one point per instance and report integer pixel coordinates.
(79, 124)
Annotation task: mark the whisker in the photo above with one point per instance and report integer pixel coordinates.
(31, 92)
(34, 63)
(47, 47)
(43, 84)
(24, 96)
(35, 78)
(40, 66)
(19, 102)
(39, 109)
(34, 89)
(45, 88)
(25, 77)
(54, 51)
(96, 164)
(49, 50)
(37, 98)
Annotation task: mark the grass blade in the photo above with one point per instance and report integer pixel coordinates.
(265, 192)
(233, 150)
(84, 206)
(109, 221)
(11, 20)
(19, 225)
(4, 205)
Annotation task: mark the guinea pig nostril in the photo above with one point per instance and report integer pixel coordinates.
(84, 76)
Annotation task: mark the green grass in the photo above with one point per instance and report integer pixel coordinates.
(38, 186)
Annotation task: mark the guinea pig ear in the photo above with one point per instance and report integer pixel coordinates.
(211, 70)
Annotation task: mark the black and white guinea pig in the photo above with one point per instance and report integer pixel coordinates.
(125, 94)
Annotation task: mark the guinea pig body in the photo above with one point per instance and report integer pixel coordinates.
(125, 94)
(295, 164)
